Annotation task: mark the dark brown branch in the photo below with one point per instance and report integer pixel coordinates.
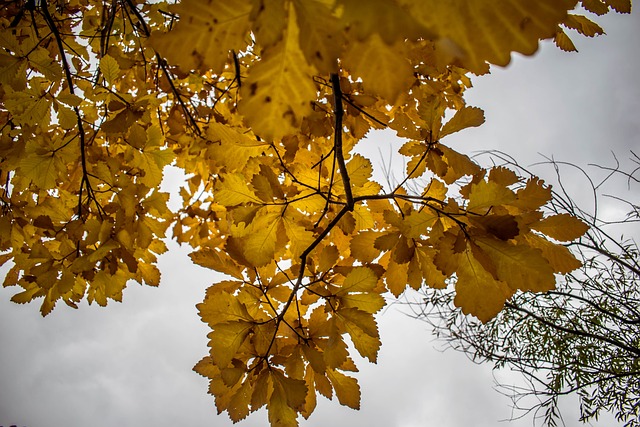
(339, 113)
(81, 133)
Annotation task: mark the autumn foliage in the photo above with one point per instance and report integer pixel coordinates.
(261, 103)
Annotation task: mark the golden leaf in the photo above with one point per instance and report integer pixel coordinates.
(205, 34)
(396, 276)
(225, 339)
(221, 306)
(361, 279)
(485, 195)
(477, 291)
(42, 170)
(384, 18)
(562, 227)
(621, 6)
(384, 69)
(521, 267)
(347, 388)
(109, 68)
(238, 408)
(363, 246)
(363, 331)
(559, 257)
(280, 410)
(489, 30)
(233, 190)
(321, 40)
(259, 246)
(533, 195)
(216, 260)
(563, 41)
(278, 92)
(583, 25)
(462, 119)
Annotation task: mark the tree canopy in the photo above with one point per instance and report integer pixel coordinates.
(580, 338)
(261, 103)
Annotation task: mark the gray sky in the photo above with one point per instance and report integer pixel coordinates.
(130, 364)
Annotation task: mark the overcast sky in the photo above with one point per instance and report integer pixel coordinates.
(130, 364)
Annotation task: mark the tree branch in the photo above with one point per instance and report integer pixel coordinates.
(339, 113)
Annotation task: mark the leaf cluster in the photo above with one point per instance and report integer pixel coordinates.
(580, 338)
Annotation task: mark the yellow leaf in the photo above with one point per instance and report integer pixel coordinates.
(216, 260)
(269, 20)
(151, 164)
(41, 60)
(347, 388)
(295, 390)
(68, 98)
(485, 195)
(384, 69)
(232, 149)
(280, 412)
(363, 217)
(369, 302)
(458, 165)
(335, 351)
(431, 275)
(13, 71)
(121, 122)
(67, 117)
(477, 291)
(232, 189)
(279, 90)
(149, 273)
(262, 338)
(463, 118)
(205, 34)
(360, 279)
(396, 277)
(299, 237)
(238, 408)
(260, 394)
(583, 25)
(220, 307)
(534, 195)
(225, 339)
(560, 257)
(321, 40)
(26, 296)
(503, 176)
(384, 18)
(310, 402)
(489, 30)
(363, 331)
(595, 6)
(417, 224)
(435, 190)
(359, 170)
(42, 170)
(563, 41)
(363, 246)
(521, 267)
(109, 68)
(259, 246)
(562, 227)
(621, 6)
